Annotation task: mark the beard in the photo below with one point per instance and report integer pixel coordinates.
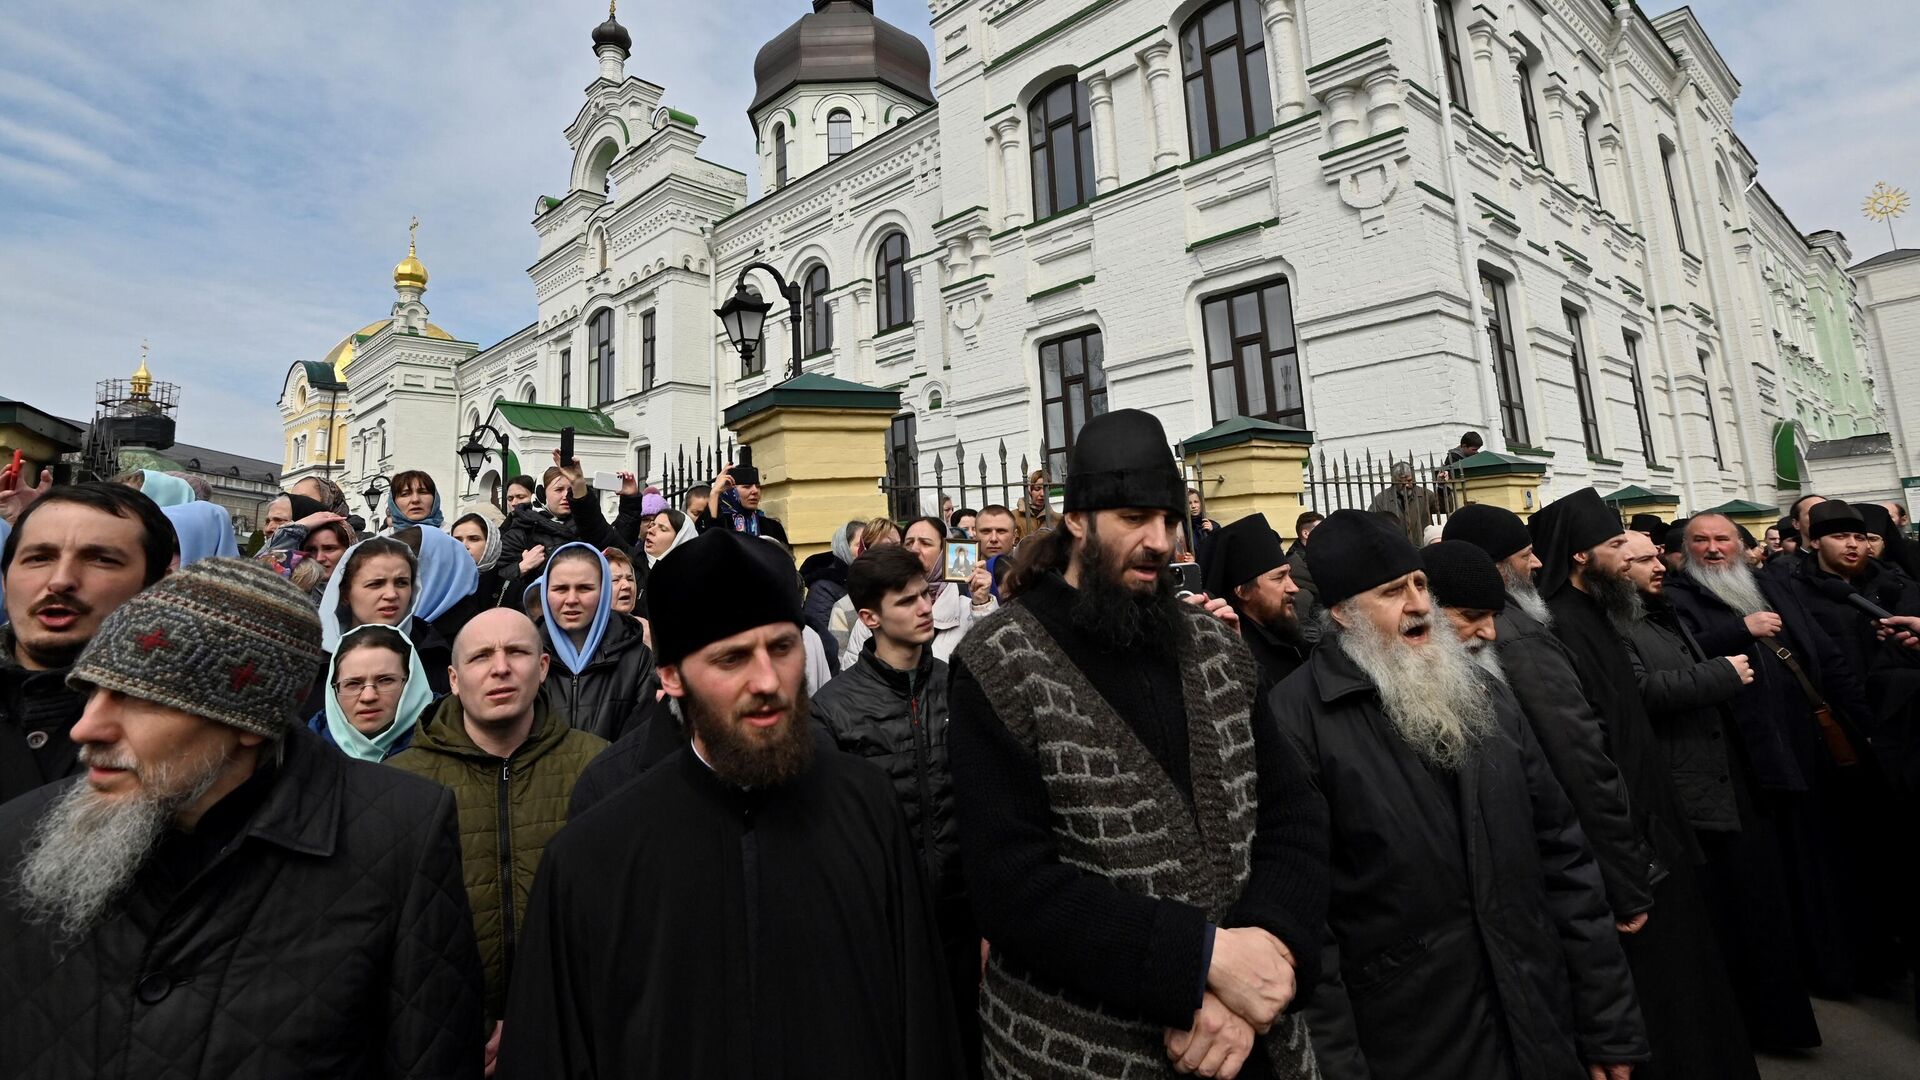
(87, 847)
(1527, 598)
(1615, 593)
(745, 757)
(1433, 694)
(1486, 658)
(1730, 582)
(1118, 616)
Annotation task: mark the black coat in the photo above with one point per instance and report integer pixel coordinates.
(1888, 672)
(826, 580)
(1470, 933)
(1776, 722)
(37, 713)
(1686, 696)
(1574, 741)
(614, 693)
(898, 720)
(329, 938)
(533, 525)
(1274, 658)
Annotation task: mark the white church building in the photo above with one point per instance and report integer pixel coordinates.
(1386, 221)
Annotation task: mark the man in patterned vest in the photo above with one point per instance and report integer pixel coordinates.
(1148, 862)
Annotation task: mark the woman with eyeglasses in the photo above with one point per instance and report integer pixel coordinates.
(376, 694)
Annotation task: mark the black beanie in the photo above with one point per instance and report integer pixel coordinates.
(1462, 575)
(1675, 540)
(719, 584)
(1122, 459)
(1241, 552)
(1834, 516)
(1649, 524)
(1358, 551)
(1495, 530)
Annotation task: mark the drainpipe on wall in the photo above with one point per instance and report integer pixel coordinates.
(1469, 269)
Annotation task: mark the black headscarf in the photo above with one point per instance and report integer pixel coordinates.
(1574, 523)
(1899, 551)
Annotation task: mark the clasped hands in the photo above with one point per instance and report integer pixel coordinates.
(1249, 983)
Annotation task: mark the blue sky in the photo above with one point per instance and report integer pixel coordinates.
(233, 180)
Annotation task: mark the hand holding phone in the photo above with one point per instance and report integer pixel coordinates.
(566, 447)
(607, 481)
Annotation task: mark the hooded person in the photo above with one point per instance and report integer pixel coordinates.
(786, 917)
(1895, 549)
(602, 676)
(1468, 933)
(1247, 567)
(376, 694)
(223, 894)
(1175, 934)
(165, 489)
(205, 530)
(1692, 1018)
(825, 575)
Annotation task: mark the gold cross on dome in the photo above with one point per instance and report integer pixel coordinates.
(413, 230)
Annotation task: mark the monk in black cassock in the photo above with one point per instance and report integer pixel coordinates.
(751, 907)
(1692, 1019)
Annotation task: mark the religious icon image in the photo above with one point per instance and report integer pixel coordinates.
(962, 557)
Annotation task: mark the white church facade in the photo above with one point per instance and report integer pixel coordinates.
(1386, 221)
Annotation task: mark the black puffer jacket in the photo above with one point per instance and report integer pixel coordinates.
(1469, 933)
(329, 938)
(535, 525)
(898, 720)
(615, 692)
(37, 714)
(1687, 697)
(826, 580)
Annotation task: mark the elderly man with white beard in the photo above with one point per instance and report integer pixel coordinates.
(1692, 1020)
(1557, 707)
(1468, 932)
(1731, 609)
(223, 894)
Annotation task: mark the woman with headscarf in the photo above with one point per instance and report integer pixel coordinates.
(382, 580)
(626, 584)
(310, 536)
(665, 530)
(376, 694)
(825, 575)
(205, 530)
(602, 673)
(571, 512)
(413, 499)
(478, 530)
(165, 489)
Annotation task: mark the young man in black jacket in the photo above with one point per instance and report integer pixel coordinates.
(890, 707)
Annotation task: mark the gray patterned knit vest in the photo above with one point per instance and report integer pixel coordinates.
(1117, 814)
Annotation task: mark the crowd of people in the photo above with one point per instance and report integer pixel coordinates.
(542, 791)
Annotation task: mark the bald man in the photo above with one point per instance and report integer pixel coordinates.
(511, 763)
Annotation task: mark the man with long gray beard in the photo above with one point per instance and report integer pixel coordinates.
(1731, 609)
(1145, 855)
(1687, 694)
(750, 907)
(1692, 1019)
(1557, 707)
(1469, 933)
(223, 894)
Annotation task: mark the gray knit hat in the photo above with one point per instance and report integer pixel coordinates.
(226, 639)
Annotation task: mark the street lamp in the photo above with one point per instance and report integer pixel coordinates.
(376, 487)
(473, 453)
(744, 315)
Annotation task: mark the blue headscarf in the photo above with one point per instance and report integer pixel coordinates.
(446, 574)
(574, 659)
(399, 521)
(415, 696)
(331, 600)
(205, 530)
(165, 490)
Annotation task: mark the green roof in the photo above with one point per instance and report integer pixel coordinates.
(321, 376)
(1635, 495)
(1488, 463)
(1741, 508)
(1240, 429)
(813, 390)
(141, 457)
(551, 418)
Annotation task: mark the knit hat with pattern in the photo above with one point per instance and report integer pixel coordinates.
(224, 639)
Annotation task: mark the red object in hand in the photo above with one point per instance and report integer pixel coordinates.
(10, 478)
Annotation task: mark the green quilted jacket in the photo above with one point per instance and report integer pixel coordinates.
(509, 808)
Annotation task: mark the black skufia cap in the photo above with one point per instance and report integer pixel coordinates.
(1462, 575)
(1122, 459)
(1241, 552)
(1353, 551)
(719, 584)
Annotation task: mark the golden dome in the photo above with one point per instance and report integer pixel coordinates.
(342, 354)
(142, 382)
(410, 273)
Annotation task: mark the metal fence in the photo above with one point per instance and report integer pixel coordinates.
(971, 484)
(1349, 483)
(686, 470)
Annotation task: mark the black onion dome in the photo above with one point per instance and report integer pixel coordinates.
(612, 33)
(842, 41)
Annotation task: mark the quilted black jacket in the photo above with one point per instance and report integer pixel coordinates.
(331, 938)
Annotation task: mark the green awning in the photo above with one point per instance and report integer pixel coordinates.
(551, 418)
(1787, 470)
(1742, 508)
(1635, 495)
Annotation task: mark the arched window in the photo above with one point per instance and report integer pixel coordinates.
(600, 248)
(600, 378)
(779, 155)
(599, 170)
(1224, 54)
(839, 133)
(527, 394)
(819, 326)
(473, 419)
(893, 299)
(1060, 128)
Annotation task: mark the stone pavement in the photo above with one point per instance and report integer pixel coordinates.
(1867, 1038)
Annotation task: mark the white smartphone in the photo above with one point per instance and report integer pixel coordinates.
(606, 481)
